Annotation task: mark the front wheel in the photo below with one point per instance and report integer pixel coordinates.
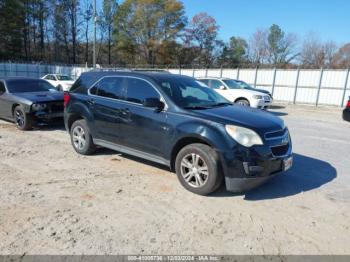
(81, 138)
(23, 121)
(198, 169)
(243, 102)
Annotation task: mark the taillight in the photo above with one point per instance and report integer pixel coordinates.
(66, 98)
(348, 104)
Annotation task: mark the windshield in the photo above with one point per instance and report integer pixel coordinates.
(244, 85)
(64, 78)
(28, 85)
(233, 84)
(191, 94)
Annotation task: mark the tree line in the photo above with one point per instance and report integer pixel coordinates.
(146, 33)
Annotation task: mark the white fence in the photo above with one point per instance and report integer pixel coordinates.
(316, 87)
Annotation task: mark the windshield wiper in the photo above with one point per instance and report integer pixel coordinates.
(208, 106)
(196, 107)
(221, 104)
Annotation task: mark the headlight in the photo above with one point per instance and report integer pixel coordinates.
(244, 136)
(39, 107)
(257, 97)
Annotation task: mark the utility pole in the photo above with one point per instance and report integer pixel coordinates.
(94, 45)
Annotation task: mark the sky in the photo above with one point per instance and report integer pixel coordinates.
(328, 19)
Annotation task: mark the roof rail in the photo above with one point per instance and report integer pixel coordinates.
(150, 70)
(111, 70)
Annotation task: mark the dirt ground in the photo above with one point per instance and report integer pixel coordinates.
(54, 201)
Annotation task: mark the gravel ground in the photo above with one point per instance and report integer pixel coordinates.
(54, 201)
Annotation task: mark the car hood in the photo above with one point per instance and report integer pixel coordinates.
(41, 96)
(255, 119)
(262, 91)
(246, 92)
(67, 82)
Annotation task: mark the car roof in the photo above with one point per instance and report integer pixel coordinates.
(154, 75)
(88, 79)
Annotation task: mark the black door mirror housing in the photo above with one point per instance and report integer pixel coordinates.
(154, 103)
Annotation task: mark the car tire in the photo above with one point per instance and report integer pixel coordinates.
(81, 138)
(243, 102)
(198, 169)
(23, 121)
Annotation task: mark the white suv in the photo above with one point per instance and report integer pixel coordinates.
(234, 91)
(61, 82)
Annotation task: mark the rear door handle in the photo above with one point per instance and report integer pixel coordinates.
(91, 102)
(125, 112)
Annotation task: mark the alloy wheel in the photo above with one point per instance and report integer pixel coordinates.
(194, 170)
(243, 103)
(19, 118)
(79, 139)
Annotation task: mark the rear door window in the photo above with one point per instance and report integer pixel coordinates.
(138, 90)
(111, 87)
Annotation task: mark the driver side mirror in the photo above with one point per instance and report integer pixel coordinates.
(154, 103)
(222, 87)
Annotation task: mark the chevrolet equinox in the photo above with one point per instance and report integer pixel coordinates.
(179, 122)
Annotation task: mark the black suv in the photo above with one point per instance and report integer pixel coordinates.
(179, 122)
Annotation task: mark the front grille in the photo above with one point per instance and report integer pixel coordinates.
(276, 134)
(280, 150)
(56, 107)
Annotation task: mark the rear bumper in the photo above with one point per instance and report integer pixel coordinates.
(346, 114)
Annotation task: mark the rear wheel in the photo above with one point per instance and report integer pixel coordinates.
(81, 138)
(23, 121)
(243, 102)
(198, 169)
